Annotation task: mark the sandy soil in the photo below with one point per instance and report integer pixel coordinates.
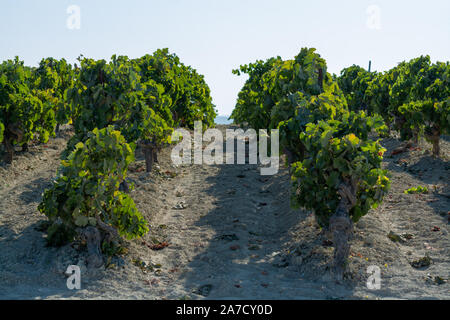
(231, 235)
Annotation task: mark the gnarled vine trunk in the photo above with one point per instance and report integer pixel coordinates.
(341, 227)
(148, 154)
(12, 133)
(148, 150)
(9, 150)
(415, 138)
(93, 240)
(436, 147)
(434, 138)
(93, 237)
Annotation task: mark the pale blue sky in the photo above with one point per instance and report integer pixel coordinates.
(215, 36)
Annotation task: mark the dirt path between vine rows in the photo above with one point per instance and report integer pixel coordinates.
(231, 234)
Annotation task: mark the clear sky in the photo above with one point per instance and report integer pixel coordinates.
(216, 36)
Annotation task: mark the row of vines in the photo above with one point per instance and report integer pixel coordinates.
(413, 97)
(327, 127)
(112, 107)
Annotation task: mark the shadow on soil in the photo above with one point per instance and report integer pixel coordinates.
(253, 222)
(34, 271)
(428, 170)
